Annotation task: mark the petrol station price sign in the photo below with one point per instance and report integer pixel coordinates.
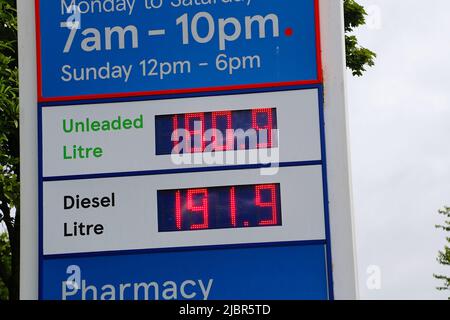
(181, 150)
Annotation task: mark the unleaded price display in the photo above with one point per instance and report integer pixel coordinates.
(216, 131)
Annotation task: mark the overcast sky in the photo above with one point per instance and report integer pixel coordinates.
(400, 130)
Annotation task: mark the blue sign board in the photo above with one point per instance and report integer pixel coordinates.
(119, 218)
(112, 48)
(278, 272)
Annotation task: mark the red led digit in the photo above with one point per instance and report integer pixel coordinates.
(194, 132)
(203, 207)
(176, 137)
(178, 210)
(228, 144)
(233, 206)
(268, 126)
(271, 204)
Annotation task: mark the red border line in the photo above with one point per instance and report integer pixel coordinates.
(318, 42)
(38, 49)
(41, 98)
(177, 91)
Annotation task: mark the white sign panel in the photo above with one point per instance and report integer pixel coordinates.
(129, 217)
(125, 136)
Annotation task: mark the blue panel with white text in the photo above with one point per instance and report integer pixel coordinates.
(285, 272)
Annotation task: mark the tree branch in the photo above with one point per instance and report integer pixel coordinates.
(5, 275)
(7, 219)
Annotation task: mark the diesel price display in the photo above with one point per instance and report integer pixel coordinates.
(219, 207)
(112, 48)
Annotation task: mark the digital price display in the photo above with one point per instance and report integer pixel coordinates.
(219, 207)
(216, 131)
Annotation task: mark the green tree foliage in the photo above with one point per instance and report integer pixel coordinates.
(444, 256)
(9, 150)
(5, 260)
(358, 58)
